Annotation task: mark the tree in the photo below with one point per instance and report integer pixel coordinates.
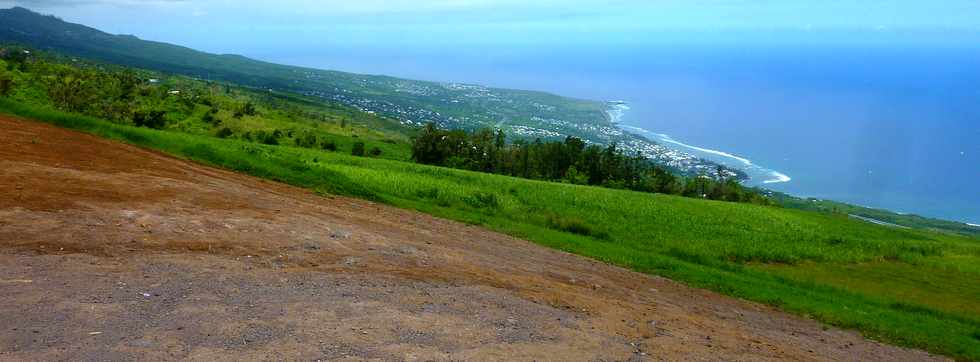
(572, 176)
(570, 161)
(428, 148)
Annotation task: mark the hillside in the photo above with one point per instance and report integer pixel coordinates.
(881, 216)
(205, 262)
(910, 287)
(162, 101)
(524, 114)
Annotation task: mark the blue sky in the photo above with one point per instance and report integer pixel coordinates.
(227, 25)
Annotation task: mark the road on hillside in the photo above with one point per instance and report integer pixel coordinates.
(111, 252)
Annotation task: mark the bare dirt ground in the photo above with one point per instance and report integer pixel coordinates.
(111, 252)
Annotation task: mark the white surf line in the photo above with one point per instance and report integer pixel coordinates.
(974, 225)
(617, 111)
(744, 160)
(777, 177)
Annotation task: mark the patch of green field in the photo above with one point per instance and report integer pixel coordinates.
(914, 287)
(909, 220)
(936, 284)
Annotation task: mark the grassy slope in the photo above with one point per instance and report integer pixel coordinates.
(293, 115)
(913, 221)
(909, 287)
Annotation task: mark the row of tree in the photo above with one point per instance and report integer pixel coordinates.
(572, 161)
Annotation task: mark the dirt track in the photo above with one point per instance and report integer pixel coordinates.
(112, 252)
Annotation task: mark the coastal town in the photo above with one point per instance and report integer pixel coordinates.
(521, 114)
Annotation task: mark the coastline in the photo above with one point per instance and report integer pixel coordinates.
(617, 110)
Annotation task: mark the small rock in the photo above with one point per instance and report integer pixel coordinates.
(311, 246)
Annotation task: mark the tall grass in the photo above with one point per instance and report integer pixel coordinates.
(736, 249)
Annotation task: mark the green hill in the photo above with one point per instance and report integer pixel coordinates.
(522, 114)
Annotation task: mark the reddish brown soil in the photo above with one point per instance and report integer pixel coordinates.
(111, 252)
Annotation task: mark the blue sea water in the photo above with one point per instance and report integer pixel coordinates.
(889, 127)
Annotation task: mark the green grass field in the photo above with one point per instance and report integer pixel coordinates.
(909, 287)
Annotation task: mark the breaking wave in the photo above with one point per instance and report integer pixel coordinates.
(772, 176)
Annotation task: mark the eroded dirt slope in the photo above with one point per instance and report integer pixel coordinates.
(111, 252)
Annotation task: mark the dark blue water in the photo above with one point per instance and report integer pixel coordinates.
(889, 127)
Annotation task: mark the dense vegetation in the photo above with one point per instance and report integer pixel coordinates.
(155, 100)
(572, 161)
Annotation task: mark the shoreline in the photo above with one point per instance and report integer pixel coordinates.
(617, 109)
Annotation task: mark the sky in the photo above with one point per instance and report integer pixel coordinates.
(230, 25)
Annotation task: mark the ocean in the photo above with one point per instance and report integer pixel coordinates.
(894, 127)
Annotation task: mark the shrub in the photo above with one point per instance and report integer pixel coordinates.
(375, 152)
(249, 109)
(225, 132)
(270, 139)
(480, 200)
(210, 119)
(358, 149)
(328, 145)
(151, 119)
(6, 84)
(430, 193)
(574, 226)
(307, 140)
